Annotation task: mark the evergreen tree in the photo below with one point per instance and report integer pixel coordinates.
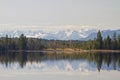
(6, 42)
(22, 42)
(107, 43)
(99, 42)
(118, 42)
(114, 41)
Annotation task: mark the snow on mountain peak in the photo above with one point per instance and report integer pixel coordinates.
(67, 34)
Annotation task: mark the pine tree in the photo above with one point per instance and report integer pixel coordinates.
(6, 42)
(22, 42)
(118, 42)
(99, 42)
(107, 43)
(114, 41)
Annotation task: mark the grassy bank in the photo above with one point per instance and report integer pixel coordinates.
(66, 51)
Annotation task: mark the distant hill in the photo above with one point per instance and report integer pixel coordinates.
(60, 35)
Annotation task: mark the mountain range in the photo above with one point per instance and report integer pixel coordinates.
(82, 34)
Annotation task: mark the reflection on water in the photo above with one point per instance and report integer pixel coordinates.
(61, 61)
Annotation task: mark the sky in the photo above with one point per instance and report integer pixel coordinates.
(59, 13)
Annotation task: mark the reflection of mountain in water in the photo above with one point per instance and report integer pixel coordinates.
(63, 62)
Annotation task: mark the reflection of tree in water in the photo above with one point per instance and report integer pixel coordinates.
(107, 60)
(22, 59)
(100, 59)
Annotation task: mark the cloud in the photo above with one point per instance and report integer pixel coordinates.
(9, 27)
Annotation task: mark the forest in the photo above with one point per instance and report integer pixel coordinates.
(24, 43)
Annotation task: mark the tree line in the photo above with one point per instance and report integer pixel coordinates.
(107, 43)
(24, 43)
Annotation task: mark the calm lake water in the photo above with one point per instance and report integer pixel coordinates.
(54, 66)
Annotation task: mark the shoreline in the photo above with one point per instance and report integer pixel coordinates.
(65, 51)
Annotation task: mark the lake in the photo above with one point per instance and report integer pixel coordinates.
(59, 66)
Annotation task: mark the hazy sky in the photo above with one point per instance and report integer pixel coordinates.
(60, 12)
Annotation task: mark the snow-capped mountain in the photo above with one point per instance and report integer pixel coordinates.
(82, 34)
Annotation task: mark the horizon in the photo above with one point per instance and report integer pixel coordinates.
(54, 28)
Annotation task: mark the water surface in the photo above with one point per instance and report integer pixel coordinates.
(54, 66)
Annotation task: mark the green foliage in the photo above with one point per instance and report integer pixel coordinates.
(107, 43)
(118, 42)
(99, 42)
(114, 41)
(23, 43)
